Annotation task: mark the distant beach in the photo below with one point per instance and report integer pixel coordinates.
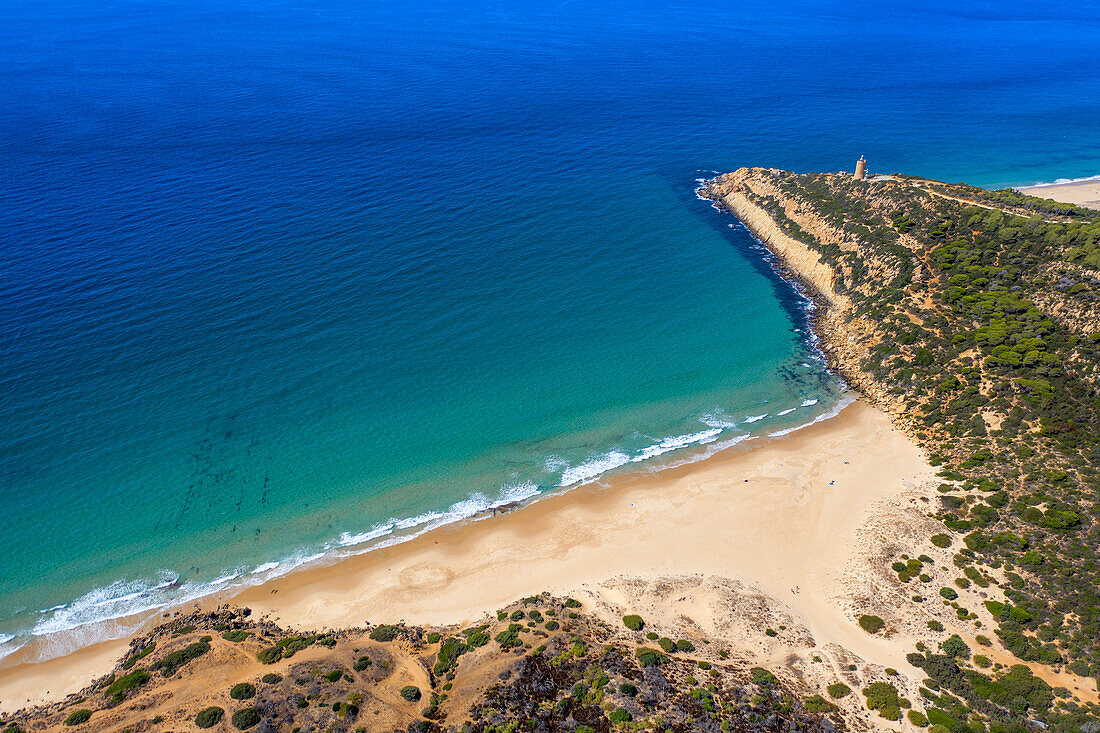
(1083, 192)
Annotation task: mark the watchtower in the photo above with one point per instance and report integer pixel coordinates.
(861, 169)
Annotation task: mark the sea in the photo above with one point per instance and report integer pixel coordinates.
(284, 281)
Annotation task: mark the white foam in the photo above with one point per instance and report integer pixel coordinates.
(118, 600)
(679, 441)
(264, 567)
(718, 419)
(592, 468)
(9, 645)
(755, 418)
(788, 411)
(828, 414)
(1060, 182)
(809, 403)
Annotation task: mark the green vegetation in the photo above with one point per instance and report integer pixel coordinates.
(871, 624)
(271, 678)
(77, 717)
(139, 655)
(838, 690)
(384, 633)
(284, 649)
(209, 717)
(449, 652)
(818, 704)
(172, 662)
(410, 693)
(883, 697)
(650, 657)
(245, 718)
(119, 687)
(242, 691)
(633, 622)
(236, 636)
(762, 676)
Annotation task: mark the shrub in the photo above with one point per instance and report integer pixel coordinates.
(818, 704)
(683, 645)
(838, 690)
(552, 625)
(883, 697)
(410, 693)
(236, 636)
(633, 622)
(384, 633)
(209, 717)
(941, 540)
(127, 682)
(334, 675)
(762, 676)
(572, 603)
(619, 715)
(433, 637)
(143, 652)
(245, 718)
(949, 593)
(954, 646)
(917, 718)
(509, 638)
(668, 645)
(628, 689)
(77, 717)
(362, 663)
(270, 655)
(871, 624)
(172, 662)
(242, 691)
(935, 625)
(649, 657)
(449, 652)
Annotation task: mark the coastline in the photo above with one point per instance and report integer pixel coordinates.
(1082, 192)
(741, 515)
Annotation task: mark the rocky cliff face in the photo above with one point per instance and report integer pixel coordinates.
(755, 196)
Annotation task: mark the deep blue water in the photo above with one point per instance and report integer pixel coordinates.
(278, 277)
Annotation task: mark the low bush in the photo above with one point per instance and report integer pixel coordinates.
(762, 676)
(949, 593)
(410, 693)
(362, 663)
(633, 622)
(838, 690)
(871, 624)
(384, 633)
(683, 645)
(242, 691)
(941, 540)
(236, 636)
(649, 657)
(172, 662)
(818, 704)
(271, 678)
(917, 718)
(209, 717)
(127, 682)
(77, 717)
(620, 715)
(245, 719)
(628, 689)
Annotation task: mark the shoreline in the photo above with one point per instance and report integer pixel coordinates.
(1080, 191)
(477, 561)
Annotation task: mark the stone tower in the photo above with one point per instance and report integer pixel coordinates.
(861, 169)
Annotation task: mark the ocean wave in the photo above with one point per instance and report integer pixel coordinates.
(1059, 182)
(843, 402)
(788, 411)
(809, 403)
(121, 608)
(593, 468)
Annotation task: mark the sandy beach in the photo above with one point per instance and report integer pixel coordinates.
(1081, 193)
(796, 523)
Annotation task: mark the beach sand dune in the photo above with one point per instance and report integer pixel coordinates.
(1081, 193)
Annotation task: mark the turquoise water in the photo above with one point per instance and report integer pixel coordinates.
(288, 279)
